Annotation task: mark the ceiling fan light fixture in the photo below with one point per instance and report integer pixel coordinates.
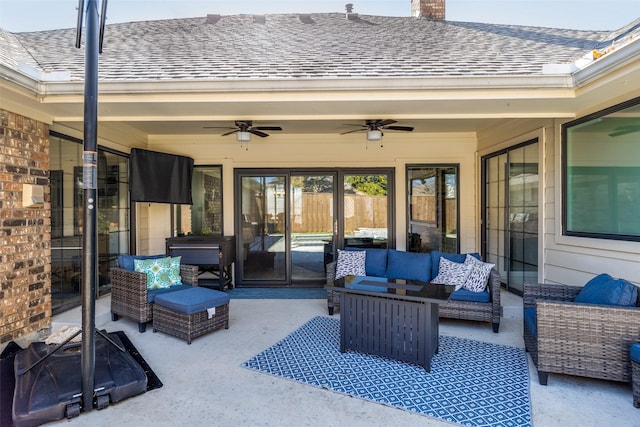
(242, 136)
(374, 135)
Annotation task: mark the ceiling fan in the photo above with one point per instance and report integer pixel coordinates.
(374, 128)
(244, 129)
(623, 130)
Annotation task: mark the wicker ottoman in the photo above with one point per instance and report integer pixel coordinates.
(190, 313)
(635, 373)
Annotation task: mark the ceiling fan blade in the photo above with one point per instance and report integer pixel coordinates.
(230, 132)
(405, 128)
(255, 131)
(267, 127)
(217, 127)
(385, 122)
(352, 131)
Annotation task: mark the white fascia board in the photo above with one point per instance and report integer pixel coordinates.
(57, 91)
(56, 87)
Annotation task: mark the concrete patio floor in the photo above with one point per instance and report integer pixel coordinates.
(205, 385)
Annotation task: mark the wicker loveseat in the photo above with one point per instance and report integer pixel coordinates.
(566, 337)
(130, 297)
(466, 305)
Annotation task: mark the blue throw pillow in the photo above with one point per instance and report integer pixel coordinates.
(376, 262)
(127, 261)
(605, 290)
(409, 266)
(459, 258)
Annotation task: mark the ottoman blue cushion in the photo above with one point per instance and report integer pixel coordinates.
(193, 300)
(634, 353)
(153, 293)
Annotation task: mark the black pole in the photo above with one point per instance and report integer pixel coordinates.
(90, 184)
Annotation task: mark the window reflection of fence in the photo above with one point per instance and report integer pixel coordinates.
(424, 208)
(361, 211)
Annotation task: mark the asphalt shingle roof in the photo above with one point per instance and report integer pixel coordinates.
(310, 46)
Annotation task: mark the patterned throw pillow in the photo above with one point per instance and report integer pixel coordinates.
(452, 273)
(351, 263)
(477, 280)
(161, 273)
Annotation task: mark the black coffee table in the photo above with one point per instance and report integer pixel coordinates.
(390, 317)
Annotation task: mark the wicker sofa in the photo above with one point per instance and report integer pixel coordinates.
(462, 305)
(565, 337)
(130, 297)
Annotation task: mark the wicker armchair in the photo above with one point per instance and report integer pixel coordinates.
(586, 340)
(453, 309)
(129, 297)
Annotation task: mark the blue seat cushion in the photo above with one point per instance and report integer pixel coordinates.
(467, 295)
(634, 352)
(459, 258)
(409, 266)
(529, 317)
(375, 263)
(126, 262)
(153, 293)
(193, 300)
(605, 290)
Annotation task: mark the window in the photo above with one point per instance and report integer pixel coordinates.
(204, 217)
(67, 216)
(601, 174)
(432, 208)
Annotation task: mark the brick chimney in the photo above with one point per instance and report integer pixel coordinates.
(432, 9)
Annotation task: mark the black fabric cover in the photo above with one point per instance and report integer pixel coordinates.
(160, 177)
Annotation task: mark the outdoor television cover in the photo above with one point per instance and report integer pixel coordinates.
(160, 177)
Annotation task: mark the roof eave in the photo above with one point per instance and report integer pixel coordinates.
(608, 64)
(396, 84)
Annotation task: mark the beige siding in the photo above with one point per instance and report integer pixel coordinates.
(322, 151)
(567, 260)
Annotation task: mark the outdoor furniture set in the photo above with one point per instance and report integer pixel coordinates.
(477, 294)
(590, 331)
(161, 289)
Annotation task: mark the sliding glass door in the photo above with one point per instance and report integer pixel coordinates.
(311, 219)
(290, 223)
(510, 217)
(262, 238)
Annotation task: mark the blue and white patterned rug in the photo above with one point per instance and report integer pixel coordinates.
(471, 383)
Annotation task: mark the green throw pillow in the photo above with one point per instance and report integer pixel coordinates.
(161, 273)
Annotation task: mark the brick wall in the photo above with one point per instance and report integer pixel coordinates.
(432, 9)
(25, 233)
